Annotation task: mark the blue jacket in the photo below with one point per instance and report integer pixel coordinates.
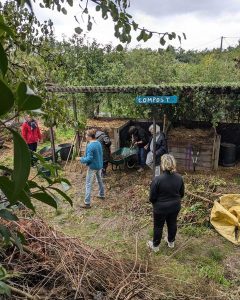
(94, 156)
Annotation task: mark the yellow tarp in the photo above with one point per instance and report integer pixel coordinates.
(225, 217)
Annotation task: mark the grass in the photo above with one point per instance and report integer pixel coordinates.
(194, 231)
(216, 254)
(213, 271)
(199, 262)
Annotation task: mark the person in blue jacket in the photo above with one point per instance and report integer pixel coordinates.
(94, 160)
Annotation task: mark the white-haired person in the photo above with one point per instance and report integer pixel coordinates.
(166, 192)
(161, 149)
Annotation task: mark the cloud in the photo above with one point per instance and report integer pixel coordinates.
(202, 31)
(203, 8)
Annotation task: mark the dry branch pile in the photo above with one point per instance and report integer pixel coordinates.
(54, 266)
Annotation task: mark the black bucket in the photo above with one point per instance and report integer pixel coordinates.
(228, 154)
(64, 151)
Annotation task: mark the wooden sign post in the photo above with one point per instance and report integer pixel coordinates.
(154, 100)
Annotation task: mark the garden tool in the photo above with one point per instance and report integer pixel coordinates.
(195, 155)
(70, 151)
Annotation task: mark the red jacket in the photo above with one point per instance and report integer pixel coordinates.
(30, 135)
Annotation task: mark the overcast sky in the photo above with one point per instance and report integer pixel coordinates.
(203, 22)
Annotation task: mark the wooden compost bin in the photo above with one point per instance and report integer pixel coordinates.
(113, 126)
(189, 145)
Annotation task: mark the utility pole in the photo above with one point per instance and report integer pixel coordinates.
(221, 44)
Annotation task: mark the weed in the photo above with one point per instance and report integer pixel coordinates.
(213, 271)
(195, 231)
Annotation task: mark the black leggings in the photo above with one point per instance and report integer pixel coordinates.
(159, 220)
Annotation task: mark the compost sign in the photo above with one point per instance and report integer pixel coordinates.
(157, 99)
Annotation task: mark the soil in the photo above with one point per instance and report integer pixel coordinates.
(194, 136)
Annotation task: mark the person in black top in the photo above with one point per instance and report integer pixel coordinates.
(104, 139)
(161, 148)
(166, 192)
(139, 139)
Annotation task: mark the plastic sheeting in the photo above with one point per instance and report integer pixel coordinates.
(225, 217)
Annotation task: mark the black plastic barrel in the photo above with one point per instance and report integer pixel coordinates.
(238, 152)
(228, 154)
(64, 151)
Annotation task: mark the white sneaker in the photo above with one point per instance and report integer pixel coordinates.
(150, 246)
(170, 244)
(140, 170)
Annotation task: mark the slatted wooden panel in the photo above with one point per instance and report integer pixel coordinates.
(206, 160)
(114, 134)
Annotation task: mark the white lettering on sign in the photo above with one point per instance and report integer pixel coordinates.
(156, 99)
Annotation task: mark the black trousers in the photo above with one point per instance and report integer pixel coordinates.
(158, 221)
(33, 147)
(105, 165)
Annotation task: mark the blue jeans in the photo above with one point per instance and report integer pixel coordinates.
(89, 182)
(141, 157)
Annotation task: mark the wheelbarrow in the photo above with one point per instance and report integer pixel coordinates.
(123, 157)
(46, 153)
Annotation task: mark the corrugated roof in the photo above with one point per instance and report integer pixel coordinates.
(163, 89)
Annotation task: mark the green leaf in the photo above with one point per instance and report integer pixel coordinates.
(70, 2)
(64, 11)
(145, 36)
(6, 185)
(21, 237)
(45, 198)
(5, 28)
(98, 7)
(119, 47)
(6, 169)
(17, 241)
(25, 199)
(22, 162)
(5, 232)
(140, 36)
(6, 98)
(3, 61)
(26, 100)
(64, 195)
(4, 289)
(184, 35)
(162, 41)
(78, 30)
(7, 215)
(32, 184)
(135, 25)
(3, 272)
(89, 26)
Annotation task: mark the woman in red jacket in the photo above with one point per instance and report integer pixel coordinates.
(31, 133)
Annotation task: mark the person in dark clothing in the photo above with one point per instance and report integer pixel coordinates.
(139, 139)
(166, 192)
(161, 148)
(104, 139)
